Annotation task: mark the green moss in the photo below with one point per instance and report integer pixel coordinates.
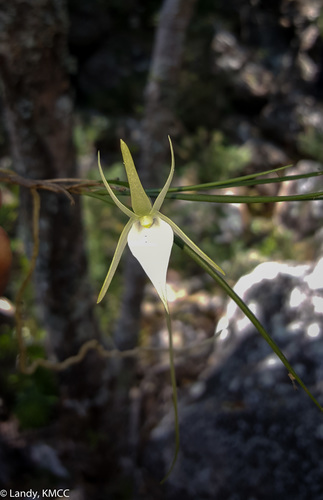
(35, 397)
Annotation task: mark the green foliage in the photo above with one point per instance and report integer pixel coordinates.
(310, 143)
(275, 242)
(32, 398)
(8, 215)
(36, 397)
(213, 155)
(8, 347)
(8, 354)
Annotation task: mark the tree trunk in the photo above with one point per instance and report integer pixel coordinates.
(38, 110)
(161, 91)
(158, 123)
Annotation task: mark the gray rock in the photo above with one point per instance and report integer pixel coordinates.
(249, 434)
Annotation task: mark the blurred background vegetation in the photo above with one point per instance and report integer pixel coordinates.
(247, 97)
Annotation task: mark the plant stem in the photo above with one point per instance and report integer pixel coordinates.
(173, 380)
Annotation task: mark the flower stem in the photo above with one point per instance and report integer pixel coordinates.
(173, 381)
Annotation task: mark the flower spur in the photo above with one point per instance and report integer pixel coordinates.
(150, 237)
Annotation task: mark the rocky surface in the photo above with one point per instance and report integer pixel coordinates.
(247, 432)
(269, 66)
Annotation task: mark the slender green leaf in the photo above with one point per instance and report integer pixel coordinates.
(220, 198)
(239, 181)
(235, 181)
(221, 281)
(275, 180)
(101, 197)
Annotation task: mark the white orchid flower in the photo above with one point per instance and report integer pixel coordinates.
(149, 233)
(150, 236)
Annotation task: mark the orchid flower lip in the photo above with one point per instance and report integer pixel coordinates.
(151, 245)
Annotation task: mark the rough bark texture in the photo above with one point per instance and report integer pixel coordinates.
(38, 107)
(38, 111)
(159, 120)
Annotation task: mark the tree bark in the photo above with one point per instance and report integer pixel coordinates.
(161, 91)
(38, 112)
(158, 122)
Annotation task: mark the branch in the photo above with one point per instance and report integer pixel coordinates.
(65, 186)
(92, 344)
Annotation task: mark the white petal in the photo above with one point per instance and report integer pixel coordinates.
(152, 247)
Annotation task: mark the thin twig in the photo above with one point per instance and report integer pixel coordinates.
(76, 186)
(13, 178)
(87, 346)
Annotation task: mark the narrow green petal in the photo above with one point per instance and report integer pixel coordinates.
(122, 207)
(190, 243)
(140, 202)
(160, 198)
(116, 259)
(152, 247)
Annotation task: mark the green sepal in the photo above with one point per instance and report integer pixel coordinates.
(140, 202)
(122, 207)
